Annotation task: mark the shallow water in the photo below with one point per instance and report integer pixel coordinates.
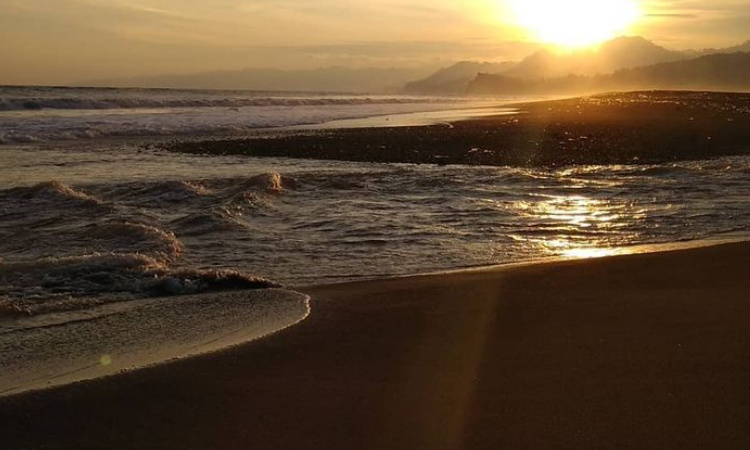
(124, 223)
(58, 349)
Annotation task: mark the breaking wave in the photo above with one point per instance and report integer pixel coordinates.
(66, 248)
(53, 191)
(35, 114)
(68, 103)
(60, 284)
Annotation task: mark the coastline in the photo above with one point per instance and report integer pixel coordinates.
(634, 351)
(584, 255)
(641, 127)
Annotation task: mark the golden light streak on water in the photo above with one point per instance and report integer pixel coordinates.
(575, 213)
(588, 253)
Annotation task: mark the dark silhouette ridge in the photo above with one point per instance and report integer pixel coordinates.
(562, 70)
(719, 72)
(454, 79)
(744, 47)
(619, 53)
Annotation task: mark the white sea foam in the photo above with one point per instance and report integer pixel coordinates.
(66, 249)
(54, 350)
(63, 245)
(29, 115)
(82, 103)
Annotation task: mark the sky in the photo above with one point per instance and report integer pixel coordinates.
(72, 41)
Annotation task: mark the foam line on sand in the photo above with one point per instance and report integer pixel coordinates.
(59, 349)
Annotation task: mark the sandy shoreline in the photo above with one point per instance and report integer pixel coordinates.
(636, 351)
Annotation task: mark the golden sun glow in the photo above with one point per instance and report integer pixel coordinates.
(575, 23)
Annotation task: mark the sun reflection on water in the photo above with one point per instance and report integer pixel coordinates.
(585, 227)
(587, 253)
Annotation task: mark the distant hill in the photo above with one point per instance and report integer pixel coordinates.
(453, 80)
(629, 52)
(619, 53)
(742, 48)
(541, 71)
(721, 72)
(331, 79)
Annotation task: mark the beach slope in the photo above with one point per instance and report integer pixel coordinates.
(648, 351)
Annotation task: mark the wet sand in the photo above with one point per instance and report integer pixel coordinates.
(647, 351)
(624, 128)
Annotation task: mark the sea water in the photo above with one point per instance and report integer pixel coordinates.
(88, 223)
(37, 114)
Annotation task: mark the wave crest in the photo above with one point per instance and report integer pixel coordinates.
(81, 103)
(52, 191)
(140, 238)
(67, 283)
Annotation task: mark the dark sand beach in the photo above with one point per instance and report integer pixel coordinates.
(647, 351)
(622, 128)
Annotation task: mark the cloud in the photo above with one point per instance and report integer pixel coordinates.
(65, 38)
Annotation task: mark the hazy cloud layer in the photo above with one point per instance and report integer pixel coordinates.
(63, 41)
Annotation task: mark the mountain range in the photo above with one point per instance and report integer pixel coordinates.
(612, 56)
(619, 53)
(623, 61)
(454, 80)
(714, 72)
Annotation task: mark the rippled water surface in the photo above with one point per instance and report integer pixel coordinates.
(112, 254)
(122, 221)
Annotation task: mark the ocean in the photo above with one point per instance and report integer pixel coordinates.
(39, 114)
(95, 221)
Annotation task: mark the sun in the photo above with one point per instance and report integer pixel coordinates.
(575, 23)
